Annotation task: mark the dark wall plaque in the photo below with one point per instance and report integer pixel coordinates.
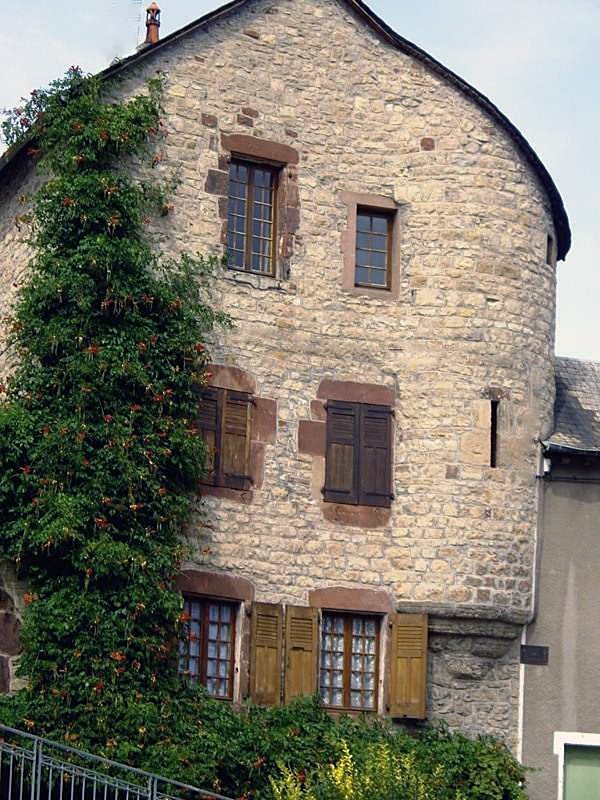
(534, 654)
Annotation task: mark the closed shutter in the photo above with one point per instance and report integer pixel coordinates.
(341, 463)
(408, 665)
(208, 421)
(265, 655)
(235, 440)
(375, 456)
(301, 647)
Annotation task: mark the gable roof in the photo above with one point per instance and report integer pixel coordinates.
(576, 408)
(561, 222)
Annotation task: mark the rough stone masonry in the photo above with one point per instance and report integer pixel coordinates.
(471, 319)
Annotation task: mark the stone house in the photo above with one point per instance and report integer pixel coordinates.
(372, 514)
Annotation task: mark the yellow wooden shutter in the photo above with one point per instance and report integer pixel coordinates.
(408, 665)
(301, 648)
(265, 658)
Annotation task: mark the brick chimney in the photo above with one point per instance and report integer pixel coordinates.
(152, 23)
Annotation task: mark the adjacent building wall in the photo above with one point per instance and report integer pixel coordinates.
(472, 319)
(565, 694)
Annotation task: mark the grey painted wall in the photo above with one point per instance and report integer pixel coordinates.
(565, 694)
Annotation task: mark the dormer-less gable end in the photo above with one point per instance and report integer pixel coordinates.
(376, 24)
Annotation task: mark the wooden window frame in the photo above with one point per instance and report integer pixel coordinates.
(357, 496)
(202, 677)
(389, 239)
(218, 478)
(357, 202)
(252, 165)
(349, 617)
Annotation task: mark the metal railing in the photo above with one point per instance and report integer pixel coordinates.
(32, 768)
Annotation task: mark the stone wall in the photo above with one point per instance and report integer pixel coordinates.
(472, 319)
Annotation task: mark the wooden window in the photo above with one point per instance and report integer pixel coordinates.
(224, 421)
(206, 650)
(373, 257)
(251, 213)
(349, 661)
(358, 468)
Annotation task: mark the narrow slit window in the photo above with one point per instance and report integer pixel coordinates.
(550, 251)
(251, 219)
(373, 249)
(494, 432)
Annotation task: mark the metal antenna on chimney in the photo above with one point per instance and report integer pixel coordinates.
(138, 20)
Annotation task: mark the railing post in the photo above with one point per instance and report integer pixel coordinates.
(35, 783)
(152, 789)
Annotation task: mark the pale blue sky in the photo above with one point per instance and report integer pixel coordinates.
(537, 60)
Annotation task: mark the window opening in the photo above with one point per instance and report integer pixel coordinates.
(224, 421)
(373, 249)
(206, 649)
(251, 217)
(349, 661)
(494, 432)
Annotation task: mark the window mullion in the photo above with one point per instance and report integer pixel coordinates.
(203, 645)
(347, 659)
(249, 218)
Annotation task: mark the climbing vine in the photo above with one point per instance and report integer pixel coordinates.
(99, 451)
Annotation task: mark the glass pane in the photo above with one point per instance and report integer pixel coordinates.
(363, 222)
(362, 275)
(378, 277)
(213, 612)
(363, 241)
(337, 698)
(211, 668)
(378, 259)
(380, 224)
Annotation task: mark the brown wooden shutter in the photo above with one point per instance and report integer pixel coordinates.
(341, 462)
(265, 654)
(209, 424)
(375, 483)
(235, 440)
(301, 649)
(408, 665)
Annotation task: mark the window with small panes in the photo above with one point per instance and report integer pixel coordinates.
(349, 661)
(207, 644)
(251, 217)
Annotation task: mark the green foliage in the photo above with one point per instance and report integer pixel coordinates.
(99, 453)
(433, 765)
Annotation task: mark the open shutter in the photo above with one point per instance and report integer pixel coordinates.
(375, 485)
(208, 421)
(265, 655)
(301, 648)
(235, 440)
(408, 665)
(341, 462)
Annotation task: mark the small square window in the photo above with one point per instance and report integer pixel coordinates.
(373, 249)
(251, 217)
(371, 245)
(207, 647)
